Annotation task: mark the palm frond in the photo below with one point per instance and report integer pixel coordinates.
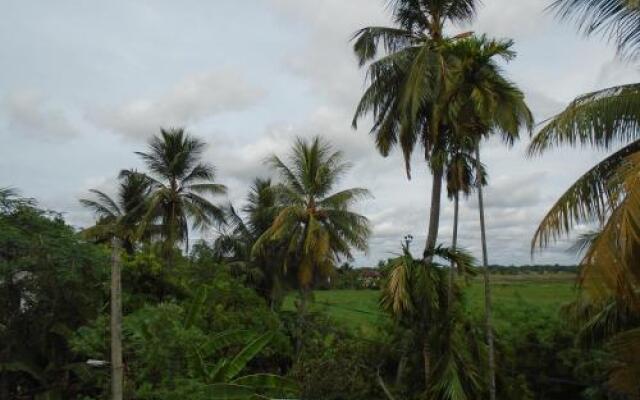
(626, 370)
(600, 119)
(619, 20)
(609, 266)
(589, 199)
(367, 40)
(107, 202)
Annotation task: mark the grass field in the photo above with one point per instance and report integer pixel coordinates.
(513, 297)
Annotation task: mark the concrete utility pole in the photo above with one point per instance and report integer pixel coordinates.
(117, 370)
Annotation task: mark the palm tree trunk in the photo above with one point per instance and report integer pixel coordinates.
(117, 375)
(401, 367)
(454, 244)
(487, 285)
(434, 215)
(426, 358)
(302, 312)
(432, 237)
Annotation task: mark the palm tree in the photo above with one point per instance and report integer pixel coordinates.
(460, 177)
(406, 86)
(484, 102)
(10, 200)
(264, 270)
(316, 227)
(607, 195)
(179, 182)
(417, 298)
(121, 216)
(118, 221)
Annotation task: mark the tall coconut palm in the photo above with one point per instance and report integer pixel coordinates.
(417, 298)
(180, 185)
(406, 85)
(607, 195)
(263, 269)
(118, 221)
(316, 226)
(484, 102)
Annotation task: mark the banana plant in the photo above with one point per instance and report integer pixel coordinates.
(224, 378)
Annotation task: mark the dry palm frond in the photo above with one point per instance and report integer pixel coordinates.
(625, 374)
(590, 199)
(610, 265)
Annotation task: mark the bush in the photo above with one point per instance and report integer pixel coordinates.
(335, 365)
(165, 343)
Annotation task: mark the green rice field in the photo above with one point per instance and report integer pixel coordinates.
(514, 296)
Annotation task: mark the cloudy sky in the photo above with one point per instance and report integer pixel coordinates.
(84, 84)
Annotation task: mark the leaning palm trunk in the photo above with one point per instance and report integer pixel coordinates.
(487, 286)
(434, 214)
(117, 375)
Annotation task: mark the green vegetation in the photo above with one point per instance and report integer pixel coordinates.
(188, 319)
(360, 310)
(130, 308)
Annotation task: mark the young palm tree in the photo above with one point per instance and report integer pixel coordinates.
(180, 183)
(406, 85)
(118, 221)
(609, 193)
(417, 299)
(316, 227)
(264, 269)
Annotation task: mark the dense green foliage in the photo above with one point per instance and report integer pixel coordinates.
(180, 326)
(51, 284)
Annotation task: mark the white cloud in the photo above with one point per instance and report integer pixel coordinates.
(302, 49)
(326, 57)
(617, 72)
(512, 19)
(31, 113)
(515, 191)
(191, 100)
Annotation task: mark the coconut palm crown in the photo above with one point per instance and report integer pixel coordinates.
(181, 184)
(120, 217)
(316, 226)
(242, 230)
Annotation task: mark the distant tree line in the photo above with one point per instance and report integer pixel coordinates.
(349, 277)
